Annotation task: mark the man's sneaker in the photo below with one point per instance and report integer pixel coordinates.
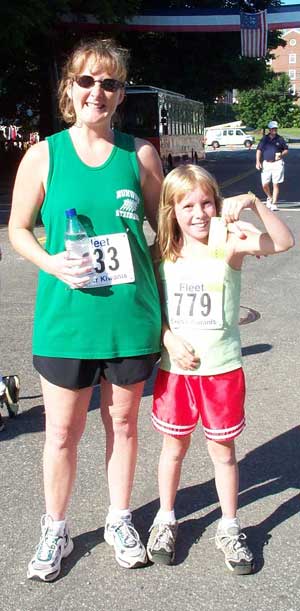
(2, 427)
(274, 207)
(11, 394)
(269, 202)
(238, 557)
(45, 564)
(161, 543)
(129, 550)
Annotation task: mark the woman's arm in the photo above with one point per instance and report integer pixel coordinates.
(28, 197)
(278, 237)
(151, 178)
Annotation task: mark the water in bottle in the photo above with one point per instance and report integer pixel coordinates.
(77, 242)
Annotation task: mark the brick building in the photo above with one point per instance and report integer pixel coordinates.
(287, 59)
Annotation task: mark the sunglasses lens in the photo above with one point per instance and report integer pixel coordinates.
(110, 84)
(85, 81)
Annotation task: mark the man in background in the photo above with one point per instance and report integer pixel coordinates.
(269, 159)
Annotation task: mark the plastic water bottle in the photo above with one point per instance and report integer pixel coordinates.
(76, 239)
(77, 242)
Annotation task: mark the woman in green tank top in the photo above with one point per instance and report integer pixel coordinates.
(79, 336)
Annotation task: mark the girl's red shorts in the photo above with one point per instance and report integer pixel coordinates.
(179, 400)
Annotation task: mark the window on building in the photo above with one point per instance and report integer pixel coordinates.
(292, 58)
(293, 42)
(292, 74)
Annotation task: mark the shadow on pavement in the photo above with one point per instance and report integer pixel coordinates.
(266, 471)
(256, 349)
(83, 546)
(29, 421)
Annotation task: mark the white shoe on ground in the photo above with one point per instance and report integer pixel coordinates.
(269, 202)
(129, 550)
(52, 548)
(162, 541)
(238, 556)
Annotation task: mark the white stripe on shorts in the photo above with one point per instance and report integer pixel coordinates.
(224, 434)
(172, 429)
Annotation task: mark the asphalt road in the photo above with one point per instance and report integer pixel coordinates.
(268, 451)
(236, 173)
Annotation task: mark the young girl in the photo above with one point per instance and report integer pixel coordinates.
(201, 371)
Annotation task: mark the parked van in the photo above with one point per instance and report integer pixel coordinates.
(216, 137)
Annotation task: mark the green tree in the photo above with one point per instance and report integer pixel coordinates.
(32, 47)
(274, 100)
(200, 65)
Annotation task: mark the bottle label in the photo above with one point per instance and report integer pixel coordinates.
(112, 260)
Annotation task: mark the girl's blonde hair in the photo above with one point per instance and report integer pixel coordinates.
(97, 52)
(176, 186)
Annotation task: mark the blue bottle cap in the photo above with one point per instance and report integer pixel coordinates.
(70, 213)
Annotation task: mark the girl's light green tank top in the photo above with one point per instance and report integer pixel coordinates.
(219, 348)
(109, 321)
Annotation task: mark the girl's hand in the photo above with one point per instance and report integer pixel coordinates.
(241, 228)
(74, 272)
(180, 351)
(233, 206)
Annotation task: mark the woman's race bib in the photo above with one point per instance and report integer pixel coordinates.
(112, 260)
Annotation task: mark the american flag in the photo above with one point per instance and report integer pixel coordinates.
(254, 34)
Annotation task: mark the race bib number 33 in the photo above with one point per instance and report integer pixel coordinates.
(112, 260)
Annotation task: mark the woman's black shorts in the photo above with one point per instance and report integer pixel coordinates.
(82, 373)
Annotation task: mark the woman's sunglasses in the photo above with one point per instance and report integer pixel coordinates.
(108, 84)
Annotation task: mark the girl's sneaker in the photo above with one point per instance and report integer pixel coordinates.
(238, 556)
(161, 543)
(129, 550)
(52, 548)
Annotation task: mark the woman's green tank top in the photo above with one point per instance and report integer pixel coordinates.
(109, 321)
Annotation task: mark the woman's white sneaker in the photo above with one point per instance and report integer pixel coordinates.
(129, 550)
(46, 563)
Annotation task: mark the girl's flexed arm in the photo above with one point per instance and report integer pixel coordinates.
(277, 238)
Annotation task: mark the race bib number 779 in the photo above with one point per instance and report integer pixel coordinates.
(197, 305)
